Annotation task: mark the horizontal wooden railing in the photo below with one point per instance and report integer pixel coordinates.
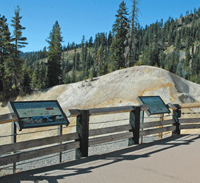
(189, 123)
(20, 156)
(156, 123)
(106, 130)
(157, 130)
(37, 142)
(84, 138)
(125, 129)
(103, 111)
(110, 138)
(189, 105)
(7, 118)
(37, 153)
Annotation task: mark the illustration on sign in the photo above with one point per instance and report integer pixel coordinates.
(39, 113)
(154, 103)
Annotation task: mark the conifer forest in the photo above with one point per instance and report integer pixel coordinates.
(173, 45)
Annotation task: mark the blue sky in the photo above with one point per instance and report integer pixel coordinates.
(84, 17)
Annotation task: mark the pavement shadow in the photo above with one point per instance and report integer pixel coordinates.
(53, 174)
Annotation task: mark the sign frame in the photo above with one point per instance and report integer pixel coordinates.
(149, 112)
(21, 125)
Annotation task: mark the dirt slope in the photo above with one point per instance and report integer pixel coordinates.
(119, 88)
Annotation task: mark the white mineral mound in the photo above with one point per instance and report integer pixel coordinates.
(119, 88)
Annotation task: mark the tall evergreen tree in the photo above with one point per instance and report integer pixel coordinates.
(63, 66)
(35, 76)
(78, 61)
(73, 78)
(14, 63)
(90, 44)
(54, 56)
(4, 51)
(26, 78)
(110, 37)
(132, 35)
(83, 53)
(120, 30)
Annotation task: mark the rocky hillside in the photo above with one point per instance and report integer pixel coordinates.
(119, 88)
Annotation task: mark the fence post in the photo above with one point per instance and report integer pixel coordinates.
(82, 128)
(14, 140)
(135, 123)
(176, 116)
(60, 133)
(141, 121)
(160, 135)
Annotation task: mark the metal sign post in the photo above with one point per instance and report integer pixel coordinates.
(141, 121)
(161, 119)
(60, 133)
(14, 140)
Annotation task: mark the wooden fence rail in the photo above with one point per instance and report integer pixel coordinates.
(37, 143)
(7, 118)
(190, 126)
(110, 138)
(189, 120)
(37, 153)
(157, 123)
(157, 130)
(107, 110)
(113, 129)
(83, 138)
(189, 105)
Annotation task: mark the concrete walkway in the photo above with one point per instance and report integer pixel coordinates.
(171, 160)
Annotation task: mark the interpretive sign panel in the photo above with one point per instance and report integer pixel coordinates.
(154, 103)
(33, 114)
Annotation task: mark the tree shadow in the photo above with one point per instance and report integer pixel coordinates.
(57, 172)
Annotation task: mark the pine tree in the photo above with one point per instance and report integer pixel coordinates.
(89, 60)
(154, 55)
(78, 62)
(73, 78)
(67, 78)
(162, 59)
(177, 41)
(5, 45)
(62, 66)
(90, 44)
(35, 76)
(26, 79)
(14, 63)
(101, 61)
(83, 53)
(110, 37)
(120, 30)
(54, 56)
(40, 78)
(132, 35)
(19, 41)
(74, 60)
(43, 75)
(186, 63)
(195, 66)
(93, 73)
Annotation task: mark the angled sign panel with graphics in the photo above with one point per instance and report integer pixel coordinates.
(154, 103)
(32, 114)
